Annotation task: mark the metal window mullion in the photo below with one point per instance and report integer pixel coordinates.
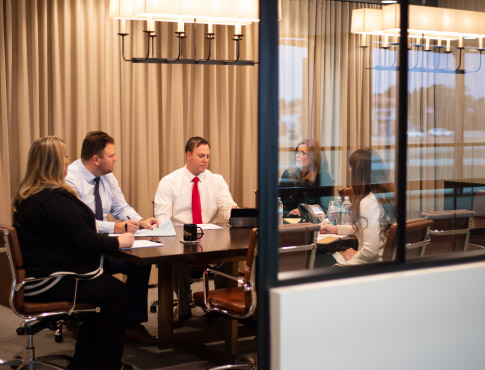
(267, 258)
(402, 142)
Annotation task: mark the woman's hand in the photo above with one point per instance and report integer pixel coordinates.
(328, 229)
(126, 240)
(295, 212)
(348, 253)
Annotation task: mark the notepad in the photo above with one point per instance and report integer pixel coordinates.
(292, 220)
(328, 238)
(165, 229)
(209, 226)
(143, 244)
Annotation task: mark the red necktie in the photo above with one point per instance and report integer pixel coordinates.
(196, 209)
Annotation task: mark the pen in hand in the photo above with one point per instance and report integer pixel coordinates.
(126, 224)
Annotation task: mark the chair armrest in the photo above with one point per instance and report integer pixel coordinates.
(77, 276)
(205, 279)
(227, 276)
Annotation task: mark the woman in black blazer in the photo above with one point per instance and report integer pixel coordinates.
(57, 233)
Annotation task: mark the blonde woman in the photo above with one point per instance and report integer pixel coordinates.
(57, 232)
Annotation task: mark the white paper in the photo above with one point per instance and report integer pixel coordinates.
(338, 257)
(321, 236)
(143, 244)
(165, 229)
(209, 226)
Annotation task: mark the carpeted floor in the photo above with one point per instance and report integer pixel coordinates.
(141, 357)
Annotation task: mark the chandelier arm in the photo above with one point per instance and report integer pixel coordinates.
(363, 58)
(395, 57)
(236, 38)
(417, 59)
(123, 47)
(437, 66)
(181, 37)
(429, 66)
(459, 60)
(153, 45)
(479, 64)
(210, 37)
(148, 49)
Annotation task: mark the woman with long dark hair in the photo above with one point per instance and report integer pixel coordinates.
(57, 233)
(372, 209)
(310, 173)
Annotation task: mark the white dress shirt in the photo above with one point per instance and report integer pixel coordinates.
(173, 199)
(82, 180)
(371, 243)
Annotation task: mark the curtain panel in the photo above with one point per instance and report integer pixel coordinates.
(334, 97)
(61, 73)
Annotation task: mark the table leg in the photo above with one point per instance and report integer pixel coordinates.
(165, 305)
(230, 346)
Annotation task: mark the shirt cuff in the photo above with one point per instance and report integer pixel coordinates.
(105, 227)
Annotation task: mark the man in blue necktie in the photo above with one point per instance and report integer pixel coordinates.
(92, 178)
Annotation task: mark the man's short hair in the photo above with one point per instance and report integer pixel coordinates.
(195, 142)
(94, 144)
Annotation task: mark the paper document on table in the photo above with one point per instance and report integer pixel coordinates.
(339, 258)
(143, 244)
(209, 226)
(328, 238)
(165, 229)
(292, 220)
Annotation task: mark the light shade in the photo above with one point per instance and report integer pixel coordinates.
(119, 9)
(434, 21)
(462, 22)
(218, 11)
(366, 20)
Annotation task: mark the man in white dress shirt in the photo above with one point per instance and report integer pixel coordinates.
(92, 178)
(173, 201)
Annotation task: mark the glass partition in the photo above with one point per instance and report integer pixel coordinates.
(338, 126)
(337, 129)
(446, 135)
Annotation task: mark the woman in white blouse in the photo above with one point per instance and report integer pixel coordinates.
(372, 209)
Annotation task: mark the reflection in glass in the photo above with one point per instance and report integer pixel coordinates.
(307, 181)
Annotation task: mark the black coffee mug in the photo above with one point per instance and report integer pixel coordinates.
(190, 232)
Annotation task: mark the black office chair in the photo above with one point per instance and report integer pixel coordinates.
(36, 316)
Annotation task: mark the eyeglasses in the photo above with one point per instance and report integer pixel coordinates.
(300, 153)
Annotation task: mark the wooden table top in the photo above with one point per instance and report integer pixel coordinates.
(215, 244)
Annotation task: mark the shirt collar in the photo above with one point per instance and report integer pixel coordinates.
(88, 176)
(189, 175)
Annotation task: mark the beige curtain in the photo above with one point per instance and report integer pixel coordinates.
(61, 73)
(346, 106)
(336, 91)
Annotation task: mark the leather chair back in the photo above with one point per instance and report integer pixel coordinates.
(349, 192)
(416, 236)
(479, 204)
(16, 266)
(451, 230)
(24, 309)
(297, 246)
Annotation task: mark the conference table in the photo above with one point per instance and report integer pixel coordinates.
(226, 245)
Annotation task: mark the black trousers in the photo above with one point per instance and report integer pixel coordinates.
(137, 284)
(100, 340)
